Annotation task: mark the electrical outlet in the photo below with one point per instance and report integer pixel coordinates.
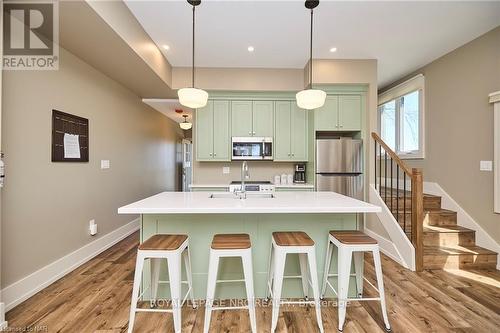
(486, 165)
(226, 170)
(92, 227)
(105, 164)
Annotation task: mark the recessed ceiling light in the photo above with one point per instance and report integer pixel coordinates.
(166, 47)
(251, 49)
(333, 49)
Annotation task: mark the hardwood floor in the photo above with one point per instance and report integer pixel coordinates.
(96, 298)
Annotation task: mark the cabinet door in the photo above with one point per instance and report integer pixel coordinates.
(222, 140)
(204, 132)
(350, 113)
(299, 133)
(241, 118)
(326, 117)
(263, 118)
(282, 136)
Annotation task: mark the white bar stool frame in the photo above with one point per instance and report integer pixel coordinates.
(307, 260)
(213, 268)
(345, 253)
(173, 258)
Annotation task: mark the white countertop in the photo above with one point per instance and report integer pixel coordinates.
(283, 202)
(295, 185)
(207, 185)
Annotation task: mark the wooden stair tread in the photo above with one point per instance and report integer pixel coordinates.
(456, 250)
(446, 229)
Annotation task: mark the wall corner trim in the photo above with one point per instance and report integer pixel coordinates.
(494, 97)
(3, 323)
(26, 287)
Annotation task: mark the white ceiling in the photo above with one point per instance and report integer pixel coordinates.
(403, 36)
(168, 107)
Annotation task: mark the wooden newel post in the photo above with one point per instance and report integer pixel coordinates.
(417, 220)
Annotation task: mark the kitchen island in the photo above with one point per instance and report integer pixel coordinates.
(202, 214)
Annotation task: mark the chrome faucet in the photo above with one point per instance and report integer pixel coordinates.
(245, 174)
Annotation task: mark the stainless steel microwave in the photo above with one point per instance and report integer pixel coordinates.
(252, 148)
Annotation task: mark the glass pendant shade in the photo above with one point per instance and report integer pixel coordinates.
(310, 99)
(186, 125)
(192, 97)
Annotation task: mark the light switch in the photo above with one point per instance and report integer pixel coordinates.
(105, 164)
(226, 170)
(486, 166)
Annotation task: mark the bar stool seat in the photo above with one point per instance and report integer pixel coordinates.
(231, 242)
(353, 244)
(225, 246)
(292, 242)
(174, 249)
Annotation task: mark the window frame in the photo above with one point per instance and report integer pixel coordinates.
(414, 84)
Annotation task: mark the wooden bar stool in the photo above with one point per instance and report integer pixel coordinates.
(300, 243)
(225, 246)
(172, 248)
(353, 244)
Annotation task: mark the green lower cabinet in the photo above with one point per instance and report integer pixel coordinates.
(213, 140)
(350, 113)
(290, 132)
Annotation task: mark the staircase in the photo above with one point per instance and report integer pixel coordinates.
(446, 244)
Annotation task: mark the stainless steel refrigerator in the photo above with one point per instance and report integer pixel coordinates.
(339, 166)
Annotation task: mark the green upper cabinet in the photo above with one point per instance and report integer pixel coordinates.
(252, 118)
(222, 137)
(290, 132)
(299, 133)
(204, 128)
(282, 132)
(213, 141)
(262, 118)
(326, 118)
(241, 118)
(340, 113)
(350, 113)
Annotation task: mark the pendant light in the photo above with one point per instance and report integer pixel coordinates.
(192, 97)
(310, 98)
(185, 125)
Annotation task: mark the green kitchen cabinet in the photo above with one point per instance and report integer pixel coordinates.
(212, 132)
(252, 118)
(350, 113)
(290, 132)
(241, 118)
(263, 118)
(340, 113)
(326, 118)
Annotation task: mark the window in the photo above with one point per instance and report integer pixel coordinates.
(400, 117)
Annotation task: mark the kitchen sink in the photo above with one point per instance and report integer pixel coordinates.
(235, 195)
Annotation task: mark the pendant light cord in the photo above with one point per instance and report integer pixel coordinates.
(311, 53)
(193, 49)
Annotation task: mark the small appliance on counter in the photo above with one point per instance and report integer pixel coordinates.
(252, 186)
(299, 176)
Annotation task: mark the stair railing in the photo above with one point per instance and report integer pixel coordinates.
(387, 165)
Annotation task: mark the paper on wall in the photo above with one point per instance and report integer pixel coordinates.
(71, 146)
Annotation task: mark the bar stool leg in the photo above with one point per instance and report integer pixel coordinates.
(246, 259)
(380, 286)
(328, 260)
(305, 274)
(279, 268)
(187, 264)
(155, 278)
(211, 283)
(359, 267)
(270, 274)
(311, 258)
(174, 272)
(139, 264)
(344, 271)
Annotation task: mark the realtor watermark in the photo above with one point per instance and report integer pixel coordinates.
(30, 35)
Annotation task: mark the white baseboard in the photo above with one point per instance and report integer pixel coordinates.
(3, 323)
(23, 289)
(483, 239)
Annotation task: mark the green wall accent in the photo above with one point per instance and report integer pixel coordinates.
(202, 227)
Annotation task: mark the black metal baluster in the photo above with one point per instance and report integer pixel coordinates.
(380, 167)
(375, 152)
(392, 196)
(385, 176)
(397, 192)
